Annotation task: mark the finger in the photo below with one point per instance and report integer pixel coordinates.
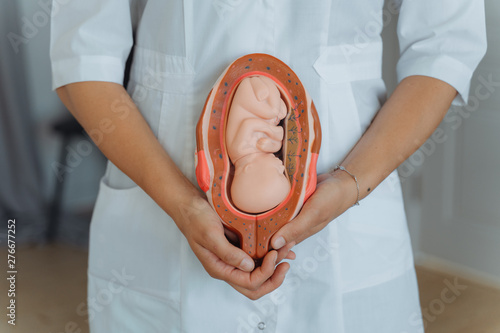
(262, 273)
(291, 255)
(217, 243)
(218, 269)
(283, 252)
(297, 229)
(268, 286)
(257, 277)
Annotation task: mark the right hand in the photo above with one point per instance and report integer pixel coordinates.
(204, 232)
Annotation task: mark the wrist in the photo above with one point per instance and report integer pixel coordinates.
(184, 205)
(175, 194)
(349, 184)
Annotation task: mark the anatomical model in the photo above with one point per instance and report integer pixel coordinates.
(252, 137)
(239, 140)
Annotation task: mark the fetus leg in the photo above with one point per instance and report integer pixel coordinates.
(268, 103)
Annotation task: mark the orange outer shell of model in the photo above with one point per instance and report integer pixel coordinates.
(300, 150)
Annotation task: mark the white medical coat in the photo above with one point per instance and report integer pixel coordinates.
(356, 275)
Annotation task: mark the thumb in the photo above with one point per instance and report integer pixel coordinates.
(296, 230)
(228, 253)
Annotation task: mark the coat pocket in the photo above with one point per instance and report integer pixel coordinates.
(132, 237)
(350, 62)
(176, 130)
(170, 100)
(163, 72)
(338, 67)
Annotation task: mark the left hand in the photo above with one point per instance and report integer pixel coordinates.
(335, 193)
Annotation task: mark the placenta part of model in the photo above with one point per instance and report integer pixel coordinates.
(252, 137)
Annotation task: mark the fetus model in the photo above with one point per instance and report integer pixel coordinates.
(252, 137)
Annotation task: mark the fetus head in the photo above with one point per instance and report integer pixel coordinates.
(259, 185)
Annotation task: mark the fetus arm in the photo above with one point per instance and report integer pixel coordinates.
(256, 135)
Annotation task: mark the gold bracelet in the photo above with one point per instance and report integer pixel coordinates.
(339, 167)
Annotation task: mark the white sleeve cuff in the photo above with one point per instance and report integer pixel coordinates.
(442, 67)
(87, 68)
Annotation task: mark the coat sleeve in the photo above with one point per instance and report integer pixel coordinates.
(442, 39)
(89, 40)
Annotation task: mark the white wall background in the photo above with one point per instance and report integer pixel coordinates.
(452, 189)
(460, 225)
(81, 184)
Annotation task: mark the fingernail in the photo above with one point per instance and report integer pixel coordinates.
(246, 264)
(279, 243)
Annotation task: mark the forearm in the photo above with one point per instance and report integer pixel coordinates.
(402, 125)
(117, 127)
(405, 121)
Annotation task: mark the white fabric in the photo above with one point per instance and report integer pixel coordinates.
(357, 274)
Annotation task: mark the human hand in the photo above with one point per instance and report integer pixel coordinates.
(222, 260)
(334, 194)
